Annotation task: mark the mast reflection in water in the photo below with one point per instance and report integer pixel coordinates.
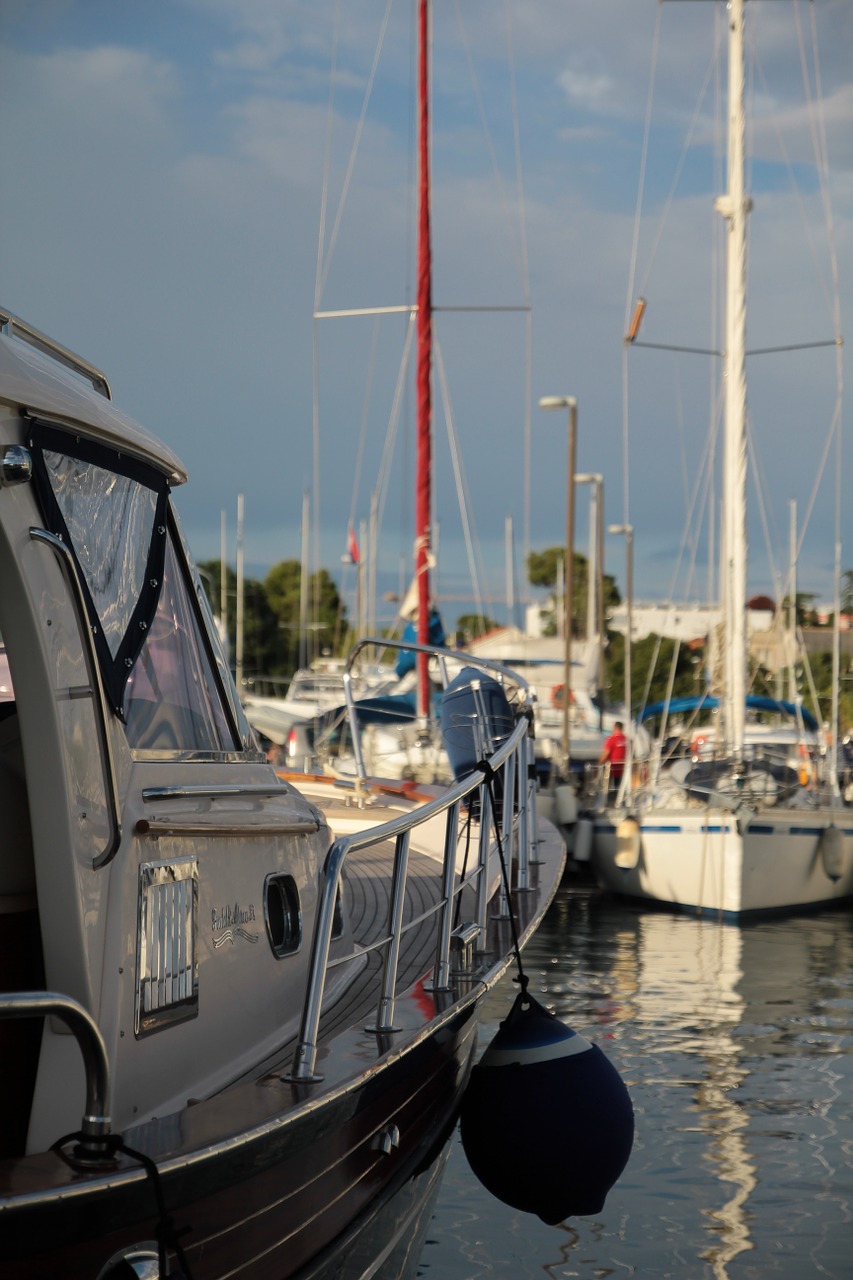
(737, 1047)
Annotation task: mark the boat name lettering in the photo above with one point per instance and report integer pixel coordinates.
(231, 922)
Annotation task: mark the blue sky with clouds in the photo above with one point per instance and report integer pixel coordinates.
(164, 168)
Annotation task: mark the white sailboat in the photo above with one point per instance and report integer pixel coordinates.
(732, 830)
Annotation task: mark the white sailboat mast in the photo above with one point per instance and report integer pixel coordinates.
(735, 206)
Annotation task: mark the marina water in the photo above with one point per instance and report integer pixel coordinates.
(737, 1046)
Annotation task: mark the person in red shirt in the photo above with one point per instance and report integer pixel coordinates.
(615, 750)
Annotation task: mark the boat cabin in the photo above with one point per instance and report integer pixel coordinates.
(153, 867)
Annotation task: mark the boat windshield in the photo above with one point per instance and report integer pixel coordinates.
(172, 700)
(112, 511)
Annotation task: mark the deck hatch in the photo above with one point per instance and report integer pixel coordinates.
(167, 960)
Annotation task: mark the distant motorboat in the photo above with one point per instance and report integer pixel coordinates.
(272, 706)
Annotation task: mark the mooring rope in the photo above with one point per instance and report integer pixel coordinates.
(486, 766)
(167, 1233)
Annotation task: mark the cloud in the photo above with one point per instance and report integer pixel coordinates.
(106, 87)
(173, 176)
(592, 90)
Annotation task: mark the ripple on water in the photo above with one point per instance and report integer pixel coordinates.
(737, 1048)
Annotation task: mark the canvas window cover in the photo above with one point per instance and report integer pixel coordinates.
(110, 519)
(110, 510)
(157, 668)
(173, 699)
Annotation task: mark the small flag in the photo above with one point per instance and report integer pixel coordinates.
(352, 547)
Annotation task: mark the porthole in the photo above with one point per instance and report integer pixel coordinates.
(338, 918)
(283, 915)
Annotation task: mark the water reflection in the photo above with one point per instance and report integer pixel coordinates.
(737, 1046)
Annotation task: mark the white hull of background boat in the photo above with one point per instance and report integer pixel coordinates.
(719, 863)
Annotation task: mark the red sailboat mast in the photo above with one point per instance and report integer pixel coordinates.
(424, 363)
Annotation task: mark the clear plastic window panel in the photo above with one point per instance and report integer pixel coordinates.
(110, 519)
(172, 700)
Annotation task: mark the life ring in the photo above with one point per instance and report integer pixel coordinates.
(558, 696)
(698, 745)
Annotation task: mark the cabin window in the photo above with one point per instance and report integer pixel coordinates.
(112, 553)
(172, 700)
(283, 915)
(110, 511)
(159, 671)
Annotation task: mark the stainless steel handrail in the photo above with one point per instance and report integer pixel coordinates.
(399, 829)
(95, 1125)
(19, 328)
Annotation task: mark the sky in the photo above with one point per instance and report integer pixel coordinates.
(181, 195)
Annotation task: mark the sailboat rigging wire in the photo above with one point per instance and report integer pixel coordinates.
(365, 413)
(752, 351)
(682, 160)
(487, 134)
(662, 223)
(643, 161)
(405, 308)
(760, 486)
(821, 156)
(323, 265)
(459, 474)
(519, 173)
(525, 276)
(324, 273)
(633, 266)
(349, 312)
(393, 422)
(820, 164)
(524, 267)
(686, 351)
(327, 159)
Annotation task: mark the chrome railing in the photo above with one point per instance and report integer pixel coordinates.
(511, 762)
(95, 1124)
(447, 659)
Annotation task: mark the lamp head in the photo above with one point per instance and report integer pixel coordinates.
(557, 402)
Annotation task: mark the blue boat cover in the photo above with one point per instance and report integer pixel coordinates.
(406, 660)
(707, 702)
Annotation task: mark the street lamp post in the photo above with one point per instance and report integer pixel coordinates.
(627, 531)
(570, 403)
(595, 575)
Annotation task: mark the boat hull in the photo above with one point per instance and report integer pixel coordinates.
(282, 1200)
(719, 865)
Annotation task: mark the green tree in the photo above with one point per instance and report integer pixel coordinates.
(820, 665)
(651, 660)
(805, 614)
(847, 591)
(544, 569)
(474, 625)
(261, 649)
(271, 615)
(325, 610)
